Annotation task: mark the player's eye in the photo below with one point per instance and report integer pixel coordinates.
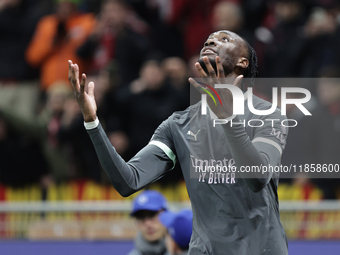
(225, 39)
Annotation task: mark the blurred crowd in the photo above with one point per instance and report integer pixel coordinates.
(140, 53)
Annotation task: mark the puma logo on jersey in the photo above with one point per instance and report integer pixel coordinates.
(193, 134)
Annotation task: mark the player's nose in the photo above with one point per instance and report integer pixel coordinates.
(210, 42)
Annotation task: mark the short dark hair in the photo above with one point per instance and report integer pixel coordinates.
(143, 214)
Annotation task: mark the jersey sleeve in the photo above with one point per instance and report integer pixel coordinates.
(147, 166)
(263, 148)
(162, 138)
(273, 132)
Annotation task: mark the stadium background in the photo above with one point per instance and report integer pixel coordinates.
(140, 54)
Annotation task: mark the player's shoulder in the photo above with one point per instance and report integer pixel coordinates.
(262, 104)
(182, 116)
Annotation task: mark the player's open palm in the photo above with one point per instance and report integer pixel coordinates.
(224, 109)
(85, 99)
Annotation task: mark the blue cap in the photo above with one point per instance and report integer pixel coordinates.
(179, 226)
(149, 200)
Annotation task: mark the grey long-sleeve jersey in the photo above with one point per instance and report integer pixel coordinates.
(234, 212)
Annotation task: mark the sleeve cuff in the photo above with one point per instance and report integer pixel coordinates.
(231, 117)
(91, 125)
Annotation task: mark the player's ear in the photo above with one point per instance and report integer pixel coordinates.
(243, 63)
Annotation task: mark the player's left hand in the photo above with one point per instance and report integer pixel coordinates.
(85, 99)
(225, 109)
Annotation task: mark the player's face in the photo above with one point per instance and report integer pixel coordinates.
(228, 46)
(150, 227)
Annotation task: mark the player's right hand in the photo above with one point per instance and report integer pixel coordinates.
(85, 99)
(225, 109)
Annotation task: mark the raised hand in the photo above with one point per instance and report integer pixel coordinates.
(85, 99)
(225, 108)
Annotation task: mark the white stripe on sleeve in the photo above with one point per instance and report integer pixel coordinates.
(166, 150)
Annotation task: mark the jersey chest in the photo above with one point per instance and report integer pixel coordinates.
(204, 154)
